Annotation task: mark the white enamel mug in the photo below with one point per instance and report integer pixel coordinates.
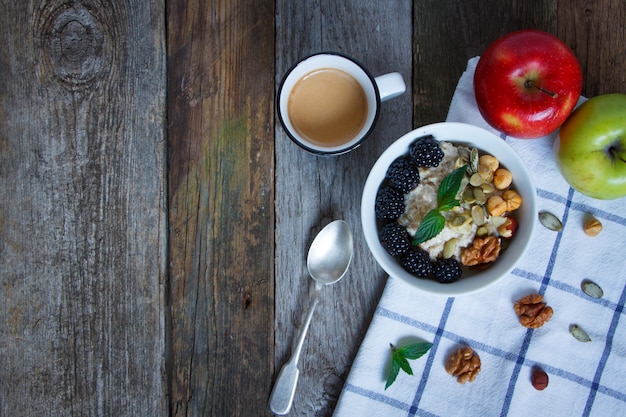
(376, 89)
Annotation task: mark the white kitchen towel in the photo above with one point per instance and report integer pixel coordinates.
(585, 379)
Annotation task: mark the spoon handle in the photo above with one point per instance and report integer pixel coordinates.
(284, 389)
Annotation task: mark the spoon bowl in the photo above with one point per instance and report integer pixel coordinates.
(328, 260)
(330, 253)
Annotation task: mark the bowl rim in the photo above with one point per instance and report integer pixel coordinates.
(486, 141)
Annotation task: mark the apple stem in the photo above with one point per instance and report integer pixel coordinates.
(615, 151)
(531, 84)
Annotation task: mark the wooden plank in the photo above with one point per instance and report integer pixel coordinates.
(311, 191)
(596, 32)
(447, 33)
(82, 154)
(221, 170)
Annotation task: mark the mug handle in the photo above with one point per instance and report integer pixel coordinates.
(390, 85)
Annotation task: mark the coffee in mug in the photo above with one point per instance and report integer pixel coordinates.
(328, 103)
(327, 107)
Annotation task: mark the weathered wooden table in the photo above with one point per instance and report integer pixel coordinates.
(155, 219)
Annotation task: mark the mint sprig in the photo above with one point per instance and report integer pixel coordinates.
(400, 359)
(433, 223)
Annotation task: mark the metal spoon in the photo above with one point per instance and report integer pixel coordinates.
(328, 260)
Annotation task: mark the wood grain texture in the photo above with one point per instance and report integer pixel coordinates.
(596, 32)
(220, 110)
(82, 179)
(447, 33)
(311, 191)
(139, 278)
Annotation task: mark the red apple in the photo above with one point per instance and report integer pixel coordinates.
(527, 83)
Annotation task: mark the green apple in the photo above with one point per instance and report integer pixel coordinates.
(590, 150)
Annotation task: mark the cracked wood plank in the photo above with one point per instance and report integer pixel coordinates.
(82, 218)
(221, 189)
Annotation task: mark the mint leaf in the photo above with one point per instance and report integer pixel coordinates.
(448, 202)
(416, 350)
(399, 359)
(432, 223)
(449, 187)
(393, 373)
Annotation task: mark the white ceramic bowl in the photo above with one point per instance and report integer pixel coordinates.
(457, 133)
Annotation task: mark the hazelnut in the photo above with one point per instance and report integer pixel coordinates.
(539, 379)
(502, 178)
(513, 200)
(489, 161)
(496, 205)
(592, 227)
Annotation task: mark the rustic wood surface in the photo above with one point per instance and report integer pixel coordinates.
(83, 212)
(155, 219)
(221, 221)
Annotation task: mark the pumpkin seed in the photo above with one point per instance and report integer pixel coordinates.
(459, 220)
(485, 172)
(468, 195)
(579, 333)
(476, 180)
(478, 215)
(450, 247)
(550, 221)
(482, 231)
(464, 154)
(487, 188)
(592, 289)
(474, 160)
(479, 196)
(498, 221)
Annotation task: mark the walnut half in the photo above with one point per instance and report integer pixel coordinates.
(482, 251)
(532, 311)
(464, 364)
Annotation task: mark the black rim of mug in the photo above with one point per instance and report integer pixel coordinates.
(337, 151)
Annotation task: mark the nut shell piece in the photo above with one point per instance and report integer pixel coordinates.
(592, 227)
(482, 251)
(532, 311)
(464, 364)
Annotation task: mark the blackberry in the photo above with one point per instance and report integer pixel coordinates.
(395, 239)
(417, 262)
(426, 152)
(403, 175)
(389, 204)
(447, 270)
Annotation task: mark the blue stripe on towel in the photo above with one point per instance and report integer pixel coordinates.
(518, 358)
(431, 356)
(544, 284)
(381, 398)
(509, 356)
(605, 354)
